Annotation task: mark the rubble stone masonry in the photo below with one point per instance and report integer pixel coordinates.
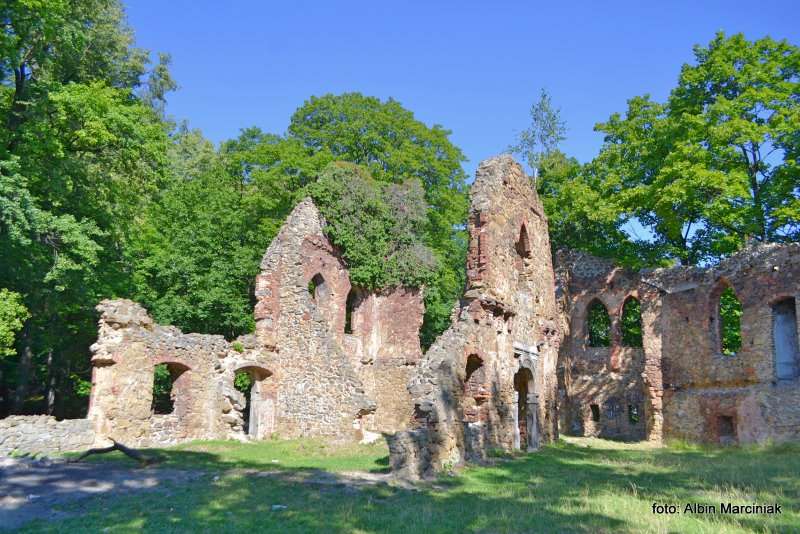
(489, 381)
(690, 389)
(338, 362)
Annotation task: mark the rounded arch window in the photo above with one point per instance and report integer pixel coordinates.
(631, 323)
(598, 325)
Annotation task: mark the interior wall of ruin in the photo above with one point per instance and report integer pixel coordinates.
(330, 382)
(713, 397)
(128, 348)
(601, 389)
(691, 389)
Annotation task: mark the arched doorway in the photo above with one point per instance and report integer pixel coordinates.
(259, 410)
(526, 435)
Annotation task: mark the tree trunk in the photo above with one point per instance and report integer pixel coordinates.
(51, 383)
(23, 370)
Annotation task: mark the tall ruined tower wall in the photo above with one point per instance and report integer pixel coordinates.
(489, 381)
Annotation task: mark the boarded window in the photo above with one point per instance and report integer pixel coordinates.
(631, 323)
(595, 412)
(730, 329)
(598, 325)
(784, 339)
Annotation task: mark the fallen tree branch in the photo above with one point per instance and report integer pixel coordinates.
(144, 461)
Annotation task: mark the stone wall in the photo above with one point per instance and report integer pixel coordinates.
(310, 378)
(691, 389)
(602, 391)
(128, 348)
(42, 434)
(330, 382)
(705, 390)
(489, 381)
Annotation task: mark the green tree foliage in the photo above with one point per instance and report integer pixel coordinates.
(542, 137)
(162, 389)
(631, 323)
(716, 164)
(395, 147)
(379, 227)
(598, 325)
(730, 327)
(243, 382)
(196, 250)
(81, 155)
(13, 315)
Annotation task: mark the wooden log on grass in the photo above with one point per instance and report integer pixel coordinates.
(143, 460)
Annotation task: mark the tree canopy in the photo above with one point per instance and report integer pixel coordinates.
(103, 196)
(715, 165)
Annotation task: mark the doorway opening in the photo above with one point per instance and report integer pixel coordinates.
(527, 431)
(259, 409)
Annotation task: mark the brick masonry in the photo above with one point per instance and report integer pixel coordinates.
(691, 390)
(489, 381)
(513, 368)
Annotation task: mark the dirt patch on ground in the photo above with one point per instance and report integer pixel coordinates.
(34, 489)
(39, 489)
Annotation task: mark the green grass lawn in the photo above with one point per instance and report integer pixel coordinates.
(579, 485)
(271, 454)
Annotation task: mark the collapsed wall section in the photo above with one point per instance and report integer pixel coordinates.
(488, 382)
(128, 348)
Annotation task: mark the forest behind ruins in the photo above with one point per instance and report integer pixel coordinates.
(104, 195)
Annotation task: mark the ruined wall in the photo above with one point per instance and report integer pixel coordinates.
(128, 348)
(42, 434)
(384, 349)
(310, 378)
(691, 389)
(713, 397)
(601, 391)
(489, 380)
(329, 382)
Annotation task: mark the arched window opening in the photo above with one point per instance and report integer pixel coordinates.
(348, 312)
(474, 363)
(523, 244)
(730, 328)
(243, 383)
(595, 412)
(317, 288)
(633, 413)
(784, 339)
(598, 325)
(258, 410)
(631, 323)
(166, 386)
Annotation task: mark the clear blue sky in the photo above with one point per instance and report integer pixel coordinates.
(473, 67)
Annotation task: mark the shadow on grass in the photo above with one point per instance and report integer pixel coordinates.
(563, 488)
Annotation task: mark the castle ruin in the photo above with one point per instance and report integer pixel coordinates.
(517, 366)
